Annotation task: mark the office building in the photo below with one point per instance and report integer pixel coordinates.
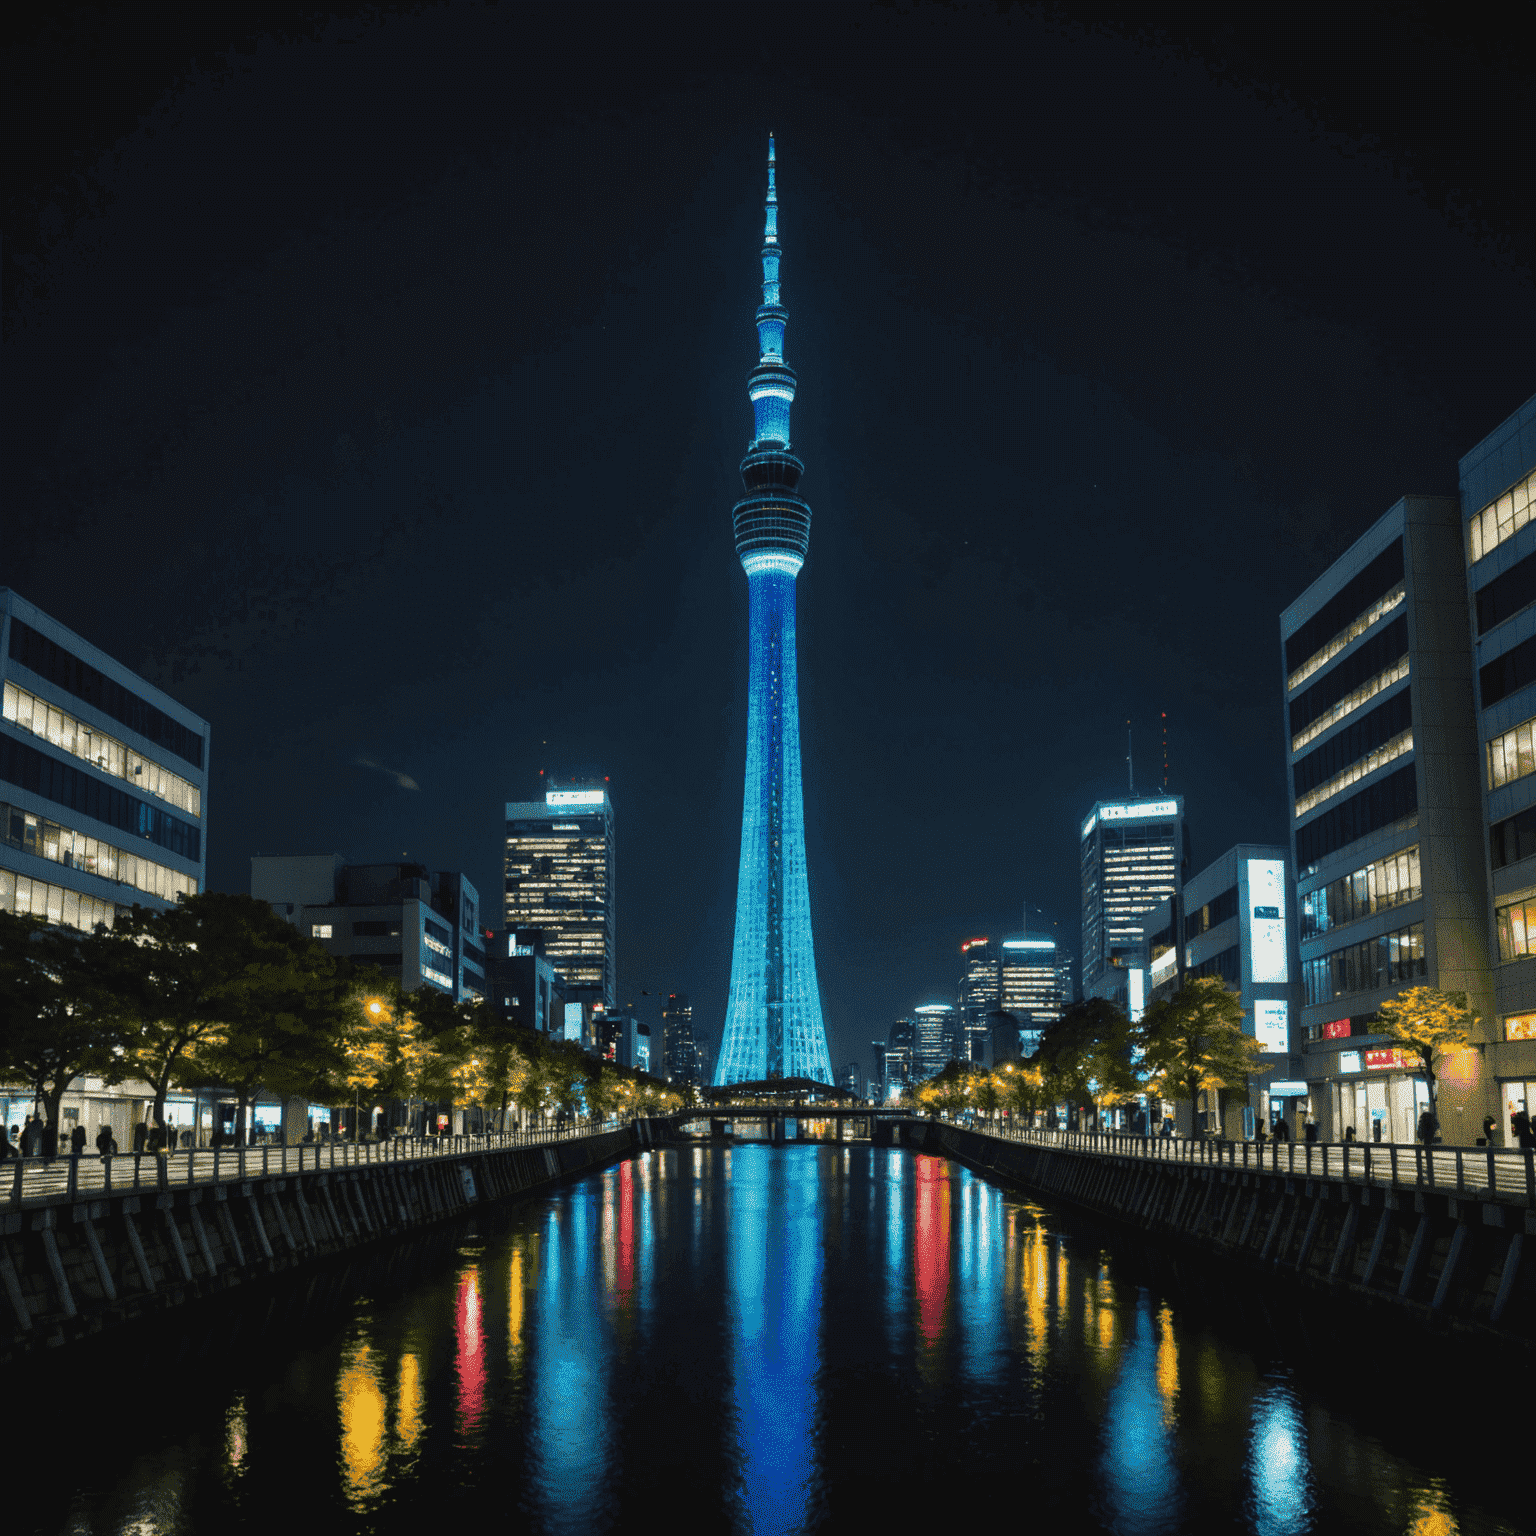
(624, 1039)
(680, 1051)
(103, 780)
(418, 928)
(1235, 920)
(1036, 987)
(773, 1023)
(1386, 810)
(900, 1056)
(558, 877)
(853, 1080)
(934, 1038)
(1132, 856)
(981, 990)
(522, 986)
(1498, 507)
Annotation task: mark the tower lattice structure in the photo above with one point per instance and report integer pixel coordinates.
(773, 1023)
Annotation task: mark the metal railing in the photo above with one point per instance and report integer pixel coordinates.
(1503, 1174)
(39, 1180)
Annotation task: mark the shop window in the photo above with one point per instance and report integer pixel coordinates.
(1520, 1026)
(319, 930)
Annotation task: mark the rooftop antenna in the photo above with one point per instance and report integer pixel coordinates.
(1130, 768)
(1165, 751)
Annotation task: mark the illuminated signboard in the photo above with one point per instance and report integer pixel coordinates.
(1336, 1029)
(1090, 824)
(1137, 980)
(1266, 906)
(1272, 1026)
(573, 1022)
(934, 1008)
(1386, 1058)
(1164, 966)
(574, 797)
(1349, 1061)
(1520, 1026)
(1029, 943)
(1287, 1090)
(971, 944)
(1141, 811)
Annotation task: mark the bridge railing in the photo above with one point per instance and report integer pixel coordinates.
(39, 1180)
(1503, 1173)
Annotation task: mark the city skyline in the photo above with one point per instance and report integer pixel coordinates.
(309, 462)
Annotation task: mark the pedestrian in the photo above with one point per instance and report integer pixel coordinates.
(77, 1140)
(104, 1142)
(1282, 1129)
(1260, 1132)
(32, 1136)
(1489, 1126)
(1310, 1130)
(1428, 1125)
(140, 1136)
(50, 1142)
(1349, 1133)
(6, 1149)
(1522, 1128)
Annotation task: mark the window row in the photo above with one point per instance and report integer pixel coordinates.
(1387, 961)
(1353, 599)
(1506, 595)
(1513, 755)
(74, 850)
(1228, 965)
(106, 752)
(1517, 929)
(1501, 519)
(39, 654)
(1508, 673)
(1348, 675)
(1392, 799)
(1512, 839)
(53, 903)
(1360, 736)
(43, 775)
(1398, 747)
(1219, 909)
(1347, 705)
(1389, 882)
(1385, 604)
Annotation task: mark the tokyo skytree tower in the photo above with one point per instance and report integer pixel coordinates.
(773, 1021)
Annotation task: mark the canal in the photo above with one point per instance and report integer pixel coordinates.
(770, 1339)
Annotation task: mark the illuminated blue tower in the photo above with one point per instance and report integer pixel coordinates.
(773, 1019)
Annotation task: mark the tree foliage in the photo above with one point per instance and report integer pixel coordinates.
(1194, 1041)
(1428, 1022)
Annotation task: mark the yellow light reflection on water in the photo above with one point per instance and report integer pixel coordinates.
(408, 1402)
(235, 1446)
(1167, 1366)
(360, 1399)
(1431, 1513)
(515, 1307)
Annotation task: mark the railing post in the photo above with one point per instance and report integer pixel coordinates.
(1492, 1166)
(1530, 1178)
(1392, 1158)
(74, 1176)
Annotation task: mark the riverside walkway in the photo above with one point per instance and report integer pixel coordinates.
(1490, 1172)
(27, 1181)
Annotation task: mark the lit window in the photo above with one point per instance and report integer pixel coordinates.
(1501, 519)
(1520, 1026)
(320, 930)
(1511, 756)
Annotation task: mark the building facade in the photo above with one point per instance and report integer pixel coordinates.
(1132, 855)
(898, 1059)
(680, 1050)
(559, 878)
(417, 927)
(1036, 987)
(522, 986)
(1386, 813)
(936, 1026)
(981, 990)
(103, 780)
(1498, 508)
(773, 1023)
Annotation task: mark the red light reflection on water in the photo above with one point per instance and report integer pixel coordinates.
(930, 1246)
(471, 1351)
(624, 1276)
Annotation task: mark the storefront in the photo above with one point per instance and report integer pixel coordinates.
(1377, 1093)
(1515, 1094)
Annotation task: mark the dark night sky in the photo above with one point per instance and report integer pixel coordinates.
(377, 386)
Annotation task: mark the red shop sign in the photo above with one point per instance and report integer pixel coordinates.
(1336, 1029)
(1388, 1057)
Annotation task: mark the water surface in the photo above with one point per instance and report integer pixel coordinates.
(767, 1339)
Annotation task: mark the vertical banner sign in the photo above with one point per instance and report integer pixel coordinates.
(1266, 913)
(573, 1022)
(1271, 1026)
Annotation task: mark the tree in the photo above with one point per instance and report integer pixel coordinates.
(286, 1018)
(1086, 1053)
(1194, 1040)
(1428, 1022)
(384, 1050)
(57, 1021)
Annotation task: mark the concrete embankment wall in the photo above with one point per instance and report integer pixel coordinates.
(1463, 1261)
(75, 1267)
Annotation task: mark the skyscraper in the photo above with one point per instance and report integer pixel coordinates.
(680, 1053)
(1133, 857)
(559, 878)
(935, 1041)
(981, 991)
(1037, 983)
(773, 1022)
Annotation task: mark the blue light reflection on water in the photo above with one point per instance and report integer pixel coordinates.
(1280, 1474)
(1141, 1485)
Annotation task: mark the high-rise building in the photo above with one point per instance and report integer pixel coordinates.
(103, 780)
(521, 985)
(1498, 507)
(1036, 987)
(417, 927)
(934, 1038)
(559, 878)
(680, 1051)
(1386, 807)
(773, 1023)
(1133, 856)
(900, 1055)
(981, 990)
(853, 1080)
